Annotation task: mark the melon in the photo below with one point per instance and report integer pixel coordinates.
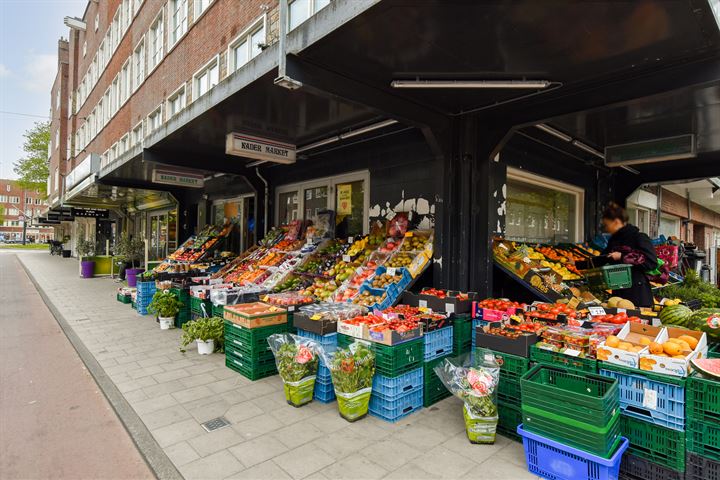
(613, 302)
(675, 315)
(710, 366)
(705, 320)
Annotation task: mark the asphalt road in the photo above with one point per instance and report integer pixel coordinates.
(54, 420)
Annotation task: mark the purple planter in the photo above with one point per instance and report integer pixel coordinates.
(131, 275)
(87, 269)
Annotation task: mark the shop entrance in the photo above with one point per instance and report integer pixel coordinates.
(241, 212)
(162, 233)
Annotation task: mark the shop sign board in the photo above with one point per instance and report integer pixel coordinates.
(265, 149)
(344, 199)
(90, 212)
(178, 178)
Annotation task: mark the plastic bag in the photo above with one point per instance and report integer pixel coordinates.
(296, 357)
(352, 370)
(473, 378)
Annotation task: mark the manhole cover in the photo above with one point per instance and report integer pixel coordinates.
(215, 424)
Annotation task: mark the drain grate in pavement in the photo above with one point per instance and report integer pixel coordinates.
(215, 424)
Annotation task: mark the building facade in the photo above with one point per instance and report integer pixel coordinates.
(19, 208)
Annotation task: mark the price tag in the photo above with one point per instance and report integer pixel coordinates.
(595, 311)
(574, 302)
(527, 260)
(347, 259)
(450, 308)
(650, 399)
(317, 316)
(408, 234)
(359, 270)
(391, 271)
(424, 309)
(621, 310)
(489, 357)
(572, 352)
(422, 303)
(291, 308)
(266, 298)
(351, 240)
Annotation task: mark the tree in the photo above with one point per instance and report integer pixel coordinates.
(2, 214)
(33, 170)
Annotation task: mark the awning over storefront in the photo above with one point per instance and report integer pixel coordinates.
(95, 195)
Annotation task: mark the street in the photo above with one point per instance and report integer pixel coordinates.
(54, 420)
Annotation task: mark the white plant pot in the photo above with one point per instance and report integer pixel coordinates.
(207, 347)
(166, 323)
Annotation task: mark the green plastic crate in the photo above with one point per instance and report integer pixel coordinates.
(250, 347)
(660, 445)
(124, 298)
(250, 371)
(512, 366)
(434, 391)
(462, 334)
(714, 350)
(133, 305)
(610, 277)
(197, 304)
(538, 355)
(702, 398)
(181, 319)
(586, 398)
(600, 441)
(510, 391)
(218, 311)
(256, 336)
(509, 417)
(254, 358)
(392, 361)
(703, 438)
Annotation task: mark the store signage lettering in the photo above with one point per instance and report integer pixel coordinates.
(181, 179)
(248, 146)
(90, 212)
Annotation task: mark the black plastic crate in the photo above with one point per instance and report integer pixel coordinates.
(701, 468)
(638, 468)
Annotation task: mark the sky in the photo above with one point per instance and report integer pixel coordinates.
(29, 32)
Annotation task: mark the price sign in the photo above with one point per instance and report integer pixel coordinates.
(346, 259)
(391, 271)
(351, 240)
(595, 311)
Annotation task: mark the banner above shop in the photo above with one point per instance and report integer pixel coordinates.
(178, 178)
(90, 212)
(265, 149)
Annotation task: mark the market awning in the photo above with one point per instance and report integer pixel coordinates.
(97, 195)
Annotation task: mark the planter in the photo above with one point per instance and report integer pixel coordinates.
(353, 406)
(166, 323)
(479, 429)
(131, 275)
(87, 269)
(66, 253)
(206, 347)
(299, 393)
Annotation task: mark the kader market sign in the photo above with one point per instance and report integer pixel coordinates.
(258, 148)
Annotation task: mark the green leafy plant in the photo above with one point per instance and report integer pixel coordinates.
(352, 371)
(693, 287)
(85, 248)
(147, 276)
(296, 362)
(203, 329)
(165, 304)
(130, 249)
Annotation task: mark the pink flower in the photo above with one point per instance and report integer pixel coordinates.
(303, 355)
(472, 377)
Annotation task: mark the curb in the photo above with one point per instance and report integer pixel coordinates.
(151, 452)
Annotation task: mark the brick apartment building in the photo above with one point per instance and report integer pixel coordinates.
(18, 206)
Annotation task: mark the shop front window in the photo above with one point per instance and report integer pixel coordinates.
(349, 208)
(540, 212)
(315, 200)
(287, 207)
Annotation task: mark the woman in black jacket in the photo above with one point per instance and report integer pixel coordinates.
(628, 245)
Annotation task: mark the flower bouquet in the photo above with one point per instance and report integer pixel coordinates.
(474, 379)
(297, 363)
(352, 371)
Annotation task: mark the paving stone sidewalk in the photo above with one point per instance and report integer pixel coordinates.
(174, 392)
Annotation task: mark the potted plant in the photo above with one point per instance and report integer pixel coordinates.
(352, 371)
(166, 306)
(297, 363)
(474, 379)
(131, 250)
(207, 332)
(86, 248)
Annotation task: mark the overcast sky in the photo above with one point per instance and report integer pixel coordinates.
(29, 31)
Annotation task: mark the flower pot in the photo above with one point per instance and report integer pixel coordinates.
(479, 429)
(131, 275)
(166, 323)
(353, 406)
(206, 347)
(87, 269)
(66, 253)
(299, 393)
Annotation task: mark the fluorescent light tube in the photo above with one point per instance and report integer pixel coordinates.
(588, 149)
(367, 129)
(489, 84)
(555, 133)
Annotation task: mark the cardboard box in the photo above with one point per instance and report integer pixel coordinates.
(630, 333)
(392, 337)
(357, 331)
(314, 322)
(255, 315)
(449, 304)
(679, 367)
(518, 346)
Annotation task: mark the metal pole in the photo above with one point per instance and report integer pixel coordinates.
(23, 209)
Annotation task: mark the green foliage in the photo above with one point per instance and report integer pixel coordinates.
(130, 249)
(203, 329)
(352, 371)
(32, 169)
(693, 287)
(165, 304)
(2, 214)
(296, 362)
(85, 248)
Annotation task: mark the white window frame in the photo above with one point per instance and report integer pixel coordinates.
(140, 45)
(84, 48)
(199, 11)
(177, 32)
(150, 129)
(245, 37)
(312, 10)
(215, 61)
(171, 98)
(126, 80)
(672, 218)
(540, 181)
(97, 21)
(159, 22)
(135, 138)
(124, 144)
(136, 6)
(330, 183)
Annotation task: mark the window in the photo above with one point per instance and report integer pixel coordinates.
(68, 147)
(37, 201)
(100, 115)
(101, 55)
(125, 14)
(669, 226)
(301, 10)
(123, 144)
(246, 45)
(139, 64)
(28, 200)
(201, 6)
(178, 19)
(136, 5)
(57, 100)
(542, 210)
(3, 198)
(206, 78)
(154, 120)
(84, 48)
(114, 97)
(176, 102)
(13, 199)
(124, 82)
(57, 138)
(97, 21)
(155, 43)
(115, 31)
(137, 135)
(113, 153)
(13, 211)
(107, 102)
(7, 187)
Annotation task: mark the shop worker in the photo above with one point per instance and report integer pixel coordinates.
(630, 246)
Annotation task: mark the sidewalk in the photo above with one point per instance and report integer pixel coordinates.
(173, 393)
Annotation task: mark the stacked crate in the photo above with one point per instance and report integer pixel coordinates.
(183, 315)
(145, 292)
(512, 368)
(434, 389)
(200, 308)
(653, 420)
(398, 382)
(577, 364)
(703, 428)
(463, 334)
(324, 391)
(247, 350)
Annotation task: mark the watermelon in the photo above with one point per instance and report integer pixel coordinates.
(710, 366)
(675, 315)
(706, 320)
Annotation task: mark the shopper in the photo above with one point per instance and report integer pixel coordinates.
(628, 245)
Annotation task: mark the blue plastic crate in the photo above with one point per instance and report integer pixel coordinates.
(553, 460)
(323, 374)
(438, 343)
(391, 388)
(324, 392)
(670, 401)
(394, 410)
(475, 323)
(328, 342)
